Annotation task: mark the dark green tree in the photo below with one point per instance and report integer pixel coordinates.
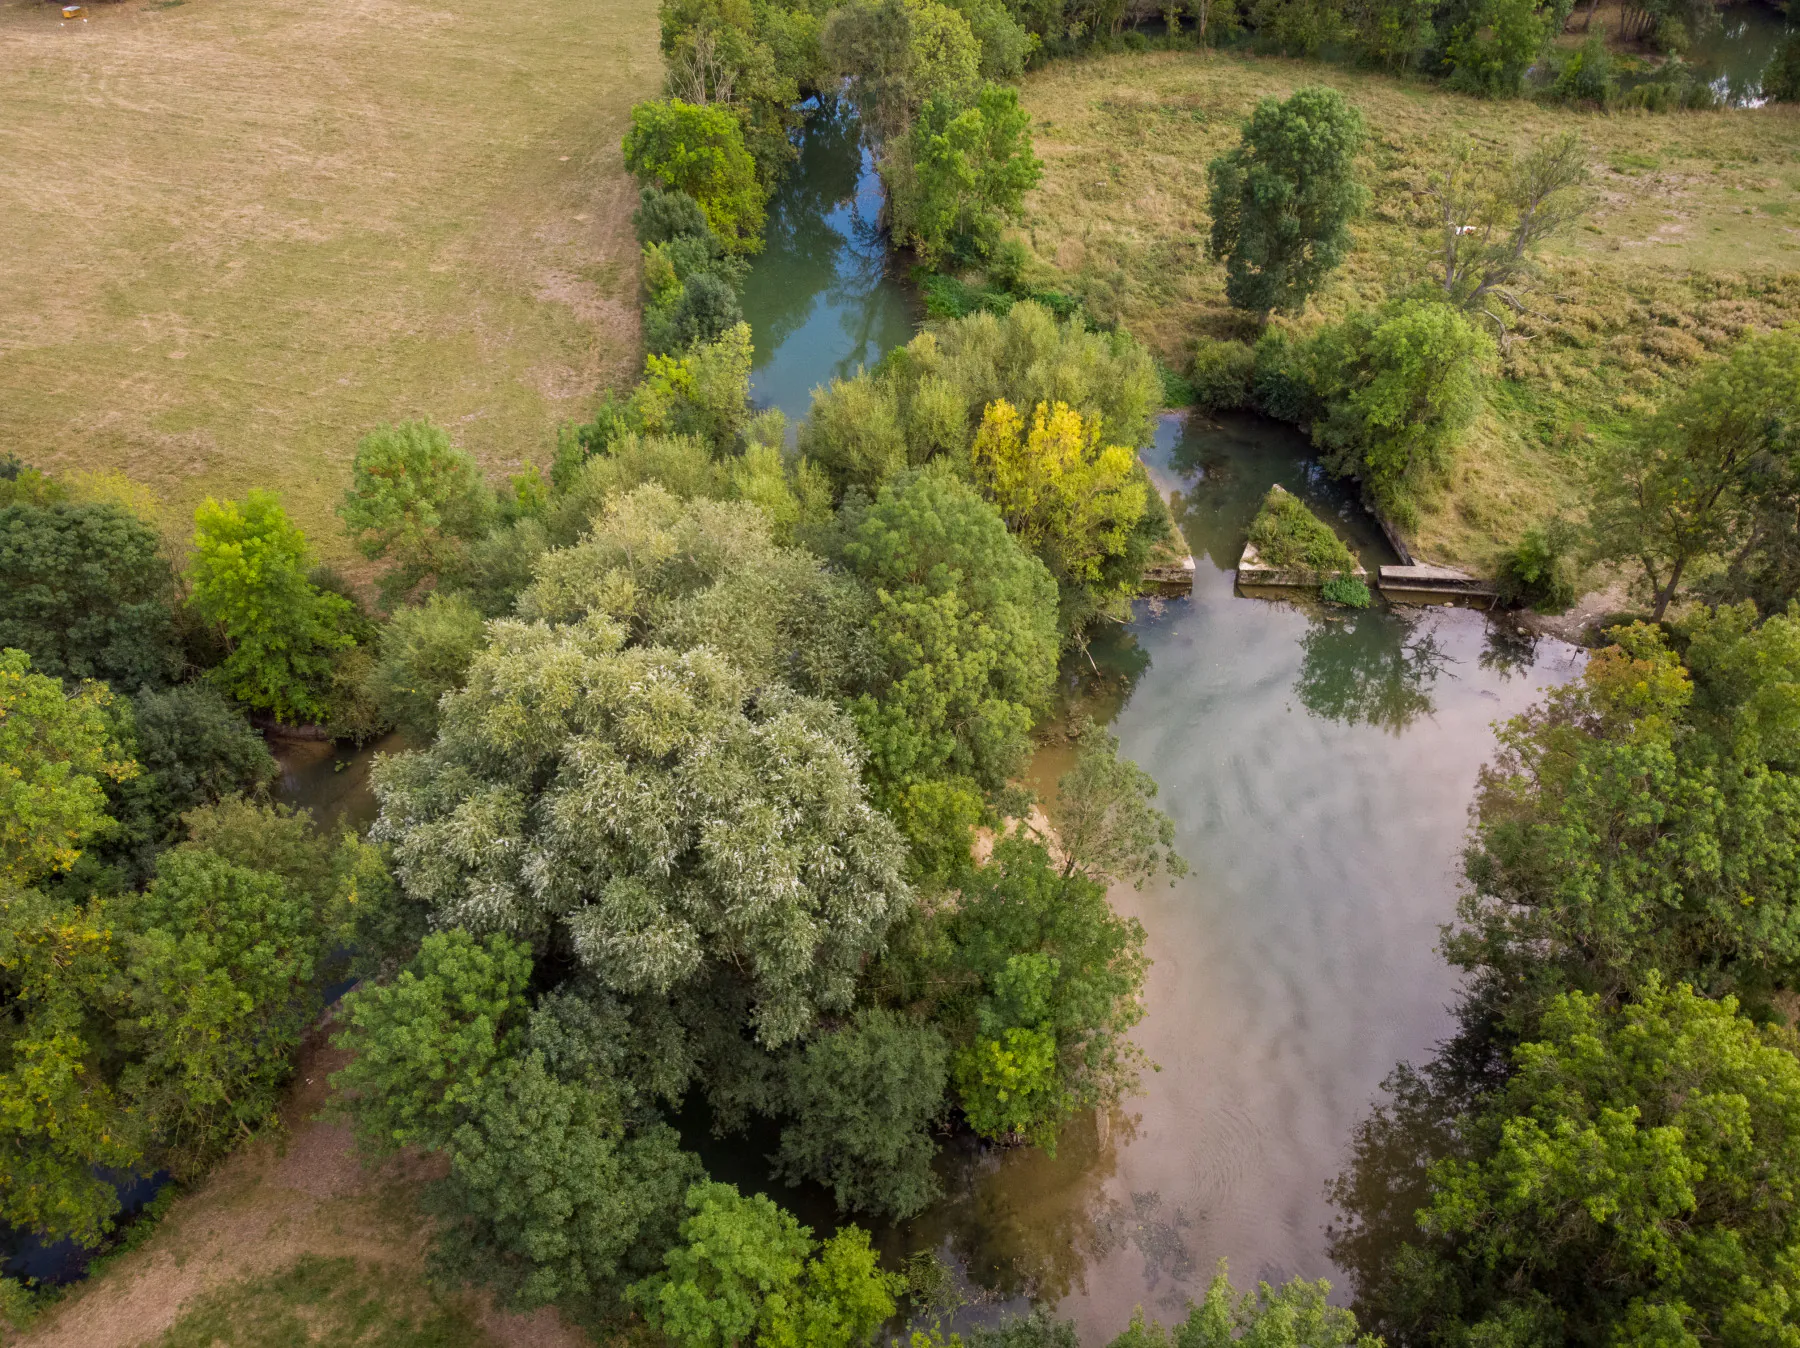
(549, 1198)
(1282, 201)
(87, 592)
(863, 1099)
(965, 628)
(417, 502)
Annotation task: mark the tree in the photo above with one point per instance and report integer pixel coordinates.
(249, 578)
(61, 1118)
(57, 752)
(425, 651)
(1048, 983)
(641, 805)
(1397, 386)
(1294, 1315)
(700, 151)
(703, 392)
(417, 501)
(425, 1043)
(1299, 27)
(1491, 44)
(220, 959)
(1106, 828)
(863, 1098)
(1687, 485)
(1283, 199)
(1069, 498)
(1628, 1183)
(1642, 818)
(193, 748)
(965, 634)
(86, 591)
(548, 1197)
(744, 1276)
(1392, 34)
(972, 166)
(897, 54)
(1495, 215)
(928, 398)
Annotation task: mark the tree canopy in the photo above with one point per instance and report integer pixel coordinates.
(1283, 199)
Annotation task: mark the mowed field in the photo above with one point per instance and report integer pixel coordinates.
(238, 235)
(1694, 239)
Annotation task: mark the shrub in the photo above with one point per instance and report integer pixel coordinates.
(1538, 569)
(1345, 590)
(1223, 374)
(1289, 536)
(662, 215)
(1587, 75)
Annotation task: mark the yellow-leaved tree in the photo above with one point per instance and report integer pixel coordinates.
(1072, 499)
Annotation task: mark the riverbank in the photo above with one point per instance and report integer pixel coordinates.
(241, 236)
(1694, 239)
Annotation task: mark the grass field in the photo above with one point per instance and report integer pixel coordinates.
(1694, 239)
(238, 235)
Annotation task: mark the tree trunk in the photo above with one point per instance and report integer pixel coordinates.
(1667, 593)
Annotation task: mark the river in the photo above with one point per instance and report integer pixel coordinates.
(1319, 769)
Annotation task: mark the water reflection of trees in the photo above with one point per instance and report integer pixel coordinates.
(1508, 650)
(1381, 1191)
(1371, 668)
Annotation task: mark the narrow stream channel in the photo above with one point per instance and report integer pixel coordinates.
(1319, 769)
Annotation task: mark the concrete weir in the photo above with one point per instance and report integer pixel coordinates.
(1257, 579)
(1422, 583)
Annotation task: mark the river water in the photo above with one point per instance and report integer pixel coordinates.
(1319, 768)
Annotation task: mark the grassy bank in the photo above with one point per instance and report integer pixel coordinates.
(240, 235)
(1694, 239)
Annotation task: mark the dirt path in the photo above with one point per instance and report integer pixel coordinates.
(264, 1208)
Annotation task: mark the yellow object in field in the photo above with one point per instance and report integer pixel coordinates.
(74, 11)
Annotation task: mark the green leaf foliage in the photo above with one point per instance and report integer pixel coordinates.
(1282, 201)
(700, 151)
(971, 168)
(863, 1099)
(1294, 1315)
(744, 1276)
(1043, 982)
(927, 398)
(1395, 389)
(1289, 536)
(1106, 827)
(643, 806)
(416, 501)
(59, 1119)
(1632, 1182)
(57, 754)
(965, 634)
(425, 652)
(220, 960)
(548, 1197)
(425, 1043)
(87, 593)
(249, 579)
(897, 54)
(1644, 818)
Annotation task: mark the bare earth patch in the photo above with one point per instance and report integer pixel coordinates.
(269, 1205)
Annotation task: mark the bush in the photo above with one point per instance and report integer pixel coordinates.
(1223, 374)
(1289, 536)
(1346, 590)
(704, 309)
(1587, 75)
(1538, 570)
(662, 216)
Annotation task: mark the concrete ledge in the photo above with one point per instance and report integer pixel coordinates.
(1171, 578)
(1422, 583)
(1253, 573)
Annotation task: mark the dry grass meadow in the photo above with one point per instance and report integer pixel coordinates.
(238, 235)
(1693, 240)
